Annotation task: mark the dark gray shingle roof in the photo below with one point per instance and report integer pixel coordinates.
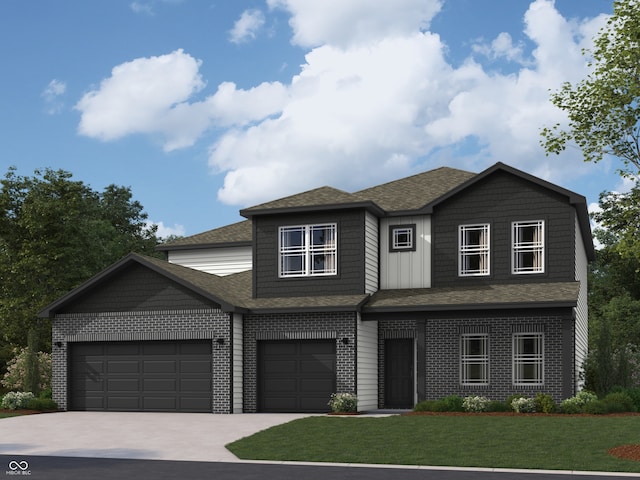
(240, 232)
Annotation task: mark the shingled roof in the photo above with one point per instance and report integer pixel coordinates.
(559, 294)
(237, 234)
(416, 191)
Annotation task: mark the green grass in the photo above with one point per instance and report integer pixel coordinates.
(6, 415)
(534, 442)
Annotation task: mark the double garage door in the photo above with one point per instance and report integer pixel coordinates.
(163, 376)
(296, 375)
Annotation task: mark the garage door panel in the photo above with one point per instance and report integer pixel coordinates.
(159, 385)
(195, 366)
(316, 365)
(140, 376)
(124, 348)
(195, 385)
(159, 366)
(296, 375)
(123, 366)
(314, 385)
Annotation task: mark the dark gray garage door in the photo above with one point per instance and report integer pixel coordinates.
(296, 376)
(166, 376)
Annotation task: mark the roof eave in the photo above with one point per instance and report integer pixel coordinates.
(367, 205)
(202, 246)
(470, 306)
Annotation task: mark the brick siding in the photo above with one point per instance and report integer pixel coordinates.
(150, 325)
(299, 326)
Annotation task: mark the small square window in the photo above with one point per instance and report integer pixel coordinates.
(402, 238)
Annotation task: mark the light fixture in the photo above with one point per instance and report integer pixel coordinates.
(58, 344)
(345, 341)
(220, 341)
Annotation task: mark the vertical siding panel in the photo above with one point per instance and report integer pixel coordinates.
(582, 312)
(219, 261)
(371, 253)
(238, 350)
(367, 353)
(406, 269)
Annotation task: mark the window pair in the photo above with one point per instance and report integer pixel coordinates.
(527, 359)
(527, 248)
(308, 250)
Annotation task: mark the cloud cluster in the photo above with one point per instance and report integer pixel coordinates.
(52, 96)
(376, 99)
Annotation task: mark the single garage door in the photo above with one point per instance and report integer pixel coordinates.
(296, 375)
(163, 376)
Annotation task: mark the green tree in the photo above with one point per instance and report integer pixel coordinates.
(604, 108)
(55, 233)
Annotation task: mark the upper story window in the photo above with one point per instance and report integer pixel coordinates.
(474, 250)
(308, 250)
(402, 238)
(528, 247)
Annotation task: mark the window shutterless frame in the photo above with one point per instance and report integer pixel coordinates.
(474, 252)
(528, 359)
(474, 359)
(307, 250)
(402, 238)
(528, 247)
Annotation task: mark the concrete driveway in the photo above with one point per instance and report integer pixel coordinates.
(150, 436)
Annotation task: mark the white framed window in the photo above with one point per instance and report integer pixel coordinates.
(474, 359)
(474, 252)
(308, 250)
(528, 247)
(402, 238)
(528, 358)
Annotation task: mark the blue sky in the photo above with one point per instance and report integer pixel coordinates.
(205, 107)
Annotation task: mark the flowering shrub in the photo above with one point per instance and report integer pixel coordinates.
(476, 404)
(15, 377)
(343, 402)
(15, 400)
(576, 404)
(523, 405)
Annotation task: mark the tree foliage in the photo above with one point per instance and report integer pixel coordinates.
(55, 233)
(604, 108)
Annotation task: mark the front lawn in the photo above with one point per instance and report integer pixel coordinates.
(538, 442)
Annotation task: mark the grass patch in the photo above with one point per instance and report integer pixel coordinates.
(538, 442)
(6, 415)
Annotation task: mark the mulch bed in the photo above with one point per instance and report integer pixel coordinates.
(626, 452)
(24, 411)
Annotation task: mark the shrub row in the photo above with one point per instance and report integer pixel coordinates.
(621, 401)
(26, 400)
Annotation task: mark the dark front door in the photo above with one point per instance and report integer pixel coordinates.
(150, 376)
(398, 373)
(296, 375)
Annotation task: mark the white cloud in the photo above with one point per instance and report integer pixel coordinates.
(164, 231)
(55, 89)
(247, 26)
(375, 99)
(151, 96)
(344, 23)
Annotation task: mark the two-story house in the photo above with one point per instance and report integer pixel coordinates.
(446, 282)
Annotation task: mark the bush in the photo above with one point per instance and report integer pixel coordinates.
(15, 377)
(343, 402)
(498, 406)
(15, 400)
(618, 402)
(545, 403)
(576, 404)
(429, 406)
(511, 398)
(42, 404)
(453, 403)
(523, 405)
(597, 407)
(476, 404)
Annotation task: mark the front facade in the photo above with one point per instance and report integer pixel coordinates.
(446, 282)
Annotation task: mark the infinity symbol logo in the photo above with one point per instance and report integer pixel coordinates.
(13, 465)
